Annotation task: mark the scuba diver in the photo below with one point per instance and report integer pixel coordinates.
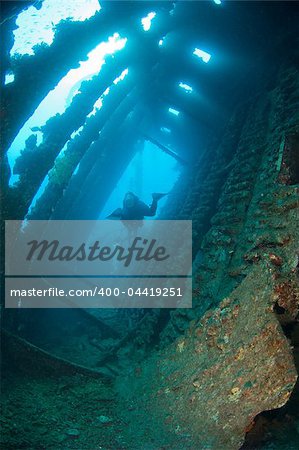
(134, 209)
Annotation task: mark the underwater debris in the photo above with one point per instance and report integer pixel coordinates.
(73, 433)
(276, 260)
(254, 370)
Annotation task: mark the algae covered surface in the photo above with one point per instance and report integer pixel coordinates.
(70, 412)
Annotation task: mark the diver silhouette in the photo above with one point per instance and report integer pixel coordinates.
(134, 209)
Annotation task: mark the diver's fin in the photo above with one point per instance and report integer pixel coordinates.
(157, 196)
(116, 215)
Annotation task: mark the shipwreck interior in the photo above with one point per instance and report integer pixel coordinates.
(198, 99)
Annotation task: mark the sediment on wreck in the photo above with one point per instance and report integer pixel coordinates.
(198, 378)
(205, 389)
(255, 210)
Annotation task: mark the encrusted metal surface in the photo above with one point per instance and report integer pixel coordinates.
(205, 389)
